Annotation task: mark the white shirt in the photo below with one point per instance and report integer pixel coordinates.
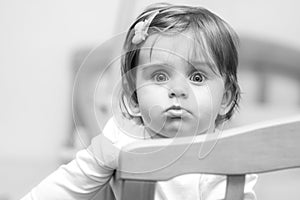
(93, 168)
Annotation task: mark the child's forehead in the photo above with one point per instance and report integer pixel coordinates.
(169, 43)
(174, 48)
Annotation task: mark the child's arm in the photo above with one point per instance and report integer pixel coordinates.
(83, 177)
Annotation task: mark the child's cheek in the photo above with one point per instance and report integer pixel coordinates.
(216, 92)
(208, 100)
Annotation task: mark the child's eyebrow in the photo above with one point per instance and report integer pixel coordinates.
(201, 64)
(204, 65)
(154, 64)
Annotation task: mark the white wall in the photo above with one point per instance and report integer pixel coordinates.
(37, 39)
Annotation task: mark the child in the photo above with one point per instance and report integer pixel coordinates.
(178, 79)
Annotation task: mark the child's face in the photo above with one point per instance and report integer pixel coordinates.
(178, 92)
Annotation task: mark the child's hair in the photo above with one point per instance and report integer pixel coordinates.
(215, 37)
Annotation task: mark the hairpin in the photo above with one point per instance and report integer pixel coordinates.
(141, 29)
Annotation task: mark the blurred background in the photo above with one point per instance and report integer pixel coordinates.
(43, 44)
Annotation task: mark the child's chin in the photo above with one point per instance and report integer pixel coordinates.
(176, 130)
(175, 133)
(171, 133)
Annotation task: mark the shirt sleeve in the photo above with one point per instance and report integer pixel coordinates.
(83, 177)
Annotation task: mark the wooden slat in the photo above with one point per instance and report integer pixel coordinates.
(137, 190)
(255, 149)
(235, 187)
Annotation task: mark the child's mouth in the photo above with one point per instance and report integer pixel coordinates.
(176, 112)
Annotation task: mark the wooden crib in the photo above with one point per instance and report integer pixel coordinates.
(260, 148)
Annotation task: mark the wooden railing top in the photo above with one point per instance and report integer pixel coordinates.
(258, 148)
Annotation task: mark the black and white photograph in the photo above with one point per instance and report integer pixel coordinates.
(149, 100)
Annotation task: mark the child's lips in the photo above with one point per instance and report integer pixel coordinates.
(177, 112)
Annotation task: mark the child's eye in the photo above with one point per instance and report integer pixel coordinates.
(197, 77)
(160, 77)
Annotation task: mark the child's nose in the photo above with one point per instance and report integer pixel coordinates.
(179, 91)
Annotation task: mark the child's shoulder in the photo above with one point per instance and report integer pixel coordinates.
(122, 131)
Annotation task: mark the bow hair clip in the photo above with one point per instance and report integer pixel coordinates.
(141, 29)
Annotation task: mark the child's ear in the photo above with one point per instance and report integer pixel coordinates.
(226, 102)
(132, 108)
(135, 109)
